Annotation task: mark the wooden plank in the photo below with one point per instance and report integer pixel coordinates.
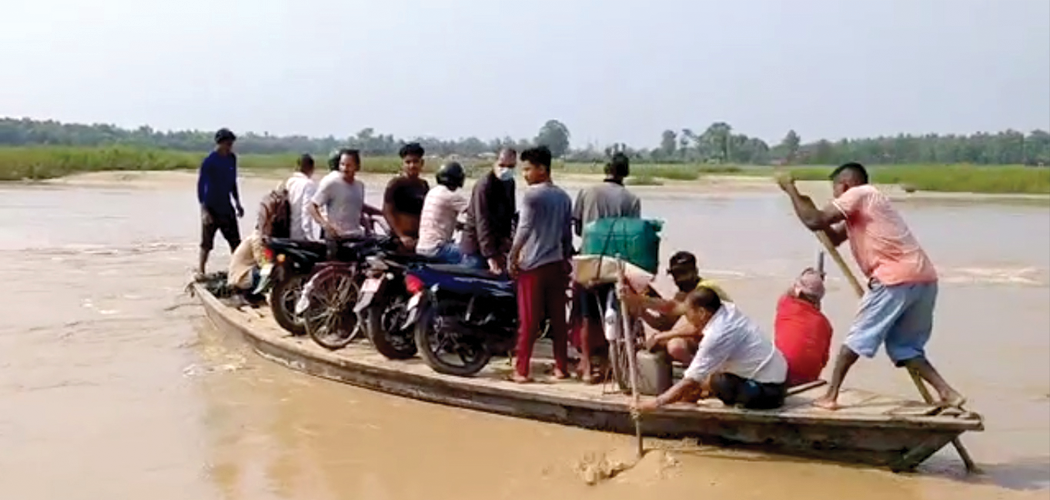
(363, 366)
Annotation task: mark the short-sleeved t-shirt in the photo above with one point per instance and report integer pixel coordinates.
(882, 243)
(438, 222)
(406, 195)
(342, 201)
(608, 199)
(733, 343)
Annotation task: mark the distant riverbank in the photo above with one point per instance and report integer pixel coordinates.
(43, 163)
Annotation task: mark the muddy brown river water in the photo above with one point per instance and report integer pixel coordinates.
(113, 384)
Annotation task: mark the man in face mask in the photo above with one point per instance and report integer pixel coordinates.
(674, 332)
(488, 231)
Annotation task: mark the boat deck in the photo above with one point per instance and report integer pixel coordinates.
(874, 421)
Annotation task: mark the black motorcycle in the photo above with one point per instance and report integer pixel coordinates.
(293, 261)
(382, 306)
(461, 317)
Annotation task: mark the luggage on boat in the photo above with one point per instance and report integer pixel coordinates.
(635, 240)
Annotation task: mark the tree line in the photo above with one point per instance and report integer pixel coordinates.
(718, 143)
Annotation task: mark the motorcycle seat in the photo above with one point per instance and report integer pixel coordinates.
(458, 270)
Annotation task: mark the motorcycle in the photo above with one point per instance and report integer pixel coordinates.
(382, 307)
(292, 262)
(461, 317)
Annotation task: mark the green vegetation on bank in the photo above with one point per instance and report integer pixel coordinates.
(46, 162)
(999, 179)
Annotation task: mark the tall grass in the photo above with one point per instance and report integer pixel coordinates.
(1001, 179)
(38, 163)
(47, 162)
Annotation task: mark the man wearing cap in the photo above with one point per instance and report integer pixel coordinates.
(803, 333)
(675, 333)
(216, 186)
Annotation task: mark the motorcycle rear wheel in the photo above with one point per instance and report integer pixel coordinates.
(433, 344)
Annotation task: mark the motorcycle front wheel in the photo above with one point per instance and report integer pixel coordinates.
(283, 297)
(330, 320)
(382, 323)
(445, 353)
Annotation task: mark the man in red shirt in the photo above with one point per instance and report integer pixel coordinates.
(803, 333)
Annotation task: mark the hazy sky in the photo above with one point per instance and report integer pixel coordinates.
(611, 70)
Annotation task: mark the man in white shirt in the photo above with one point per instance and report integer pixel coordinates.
(301, 189)
(741, 365)
(343, 198)
(441, 209)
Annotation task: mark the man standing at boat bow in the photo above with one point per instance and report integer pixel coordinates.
(897, 309)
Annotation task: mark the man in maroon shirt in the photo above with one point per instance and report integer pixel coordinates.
(802, 332)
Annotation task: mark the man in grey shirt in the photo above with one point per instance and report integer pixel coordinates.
(343, 198)
(540, 259)
(610, 199)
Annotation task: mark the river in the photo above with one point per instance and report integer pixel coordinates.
(114, 385)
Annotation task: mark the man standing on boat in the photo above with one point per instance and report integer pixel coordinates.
(675, 333)
(489, 227)
(610, 199)
(404, 195)
(897, 309)
(216, 186)
(541, 261)
(342, 196)
(301, 189)
(739, 365)
(801, 331)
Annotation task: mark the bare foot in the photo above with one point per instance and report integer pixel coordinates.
(560, 374)
(826, 403)
(520, 379)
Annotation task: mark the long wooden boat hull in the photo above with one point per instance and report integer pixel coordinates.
(870, 428)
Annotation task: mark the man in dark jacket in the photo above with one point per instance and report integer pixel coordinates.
(488, 232)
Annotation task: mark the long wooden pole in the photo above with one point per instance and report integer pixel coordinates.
(631, 362)
(916, 379)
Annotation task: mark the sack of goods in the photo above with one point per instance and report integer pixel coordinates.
(636, 241)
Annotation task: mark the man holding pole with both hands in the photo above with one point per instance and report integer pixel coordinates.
(897, 308)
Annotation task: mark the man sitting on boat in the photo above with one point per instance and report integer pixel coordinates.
(675, 333)
(441, 209)
(243, 274)
(802, 332)
(734, 361)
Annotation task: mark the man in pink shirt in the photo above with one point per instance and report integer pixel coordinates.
(898, 308)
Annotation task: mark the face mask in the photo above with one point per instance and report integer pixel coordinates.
(504, 173)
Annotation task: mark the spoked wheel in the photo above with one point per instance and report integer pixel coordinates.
(445, 351)
(383, 325)
(618, 352)
(330, 318)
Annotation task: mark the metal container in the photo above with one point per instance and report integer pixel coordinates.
(654, 373)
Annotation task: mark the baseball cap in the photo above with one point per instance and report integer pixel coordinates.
(681, 261)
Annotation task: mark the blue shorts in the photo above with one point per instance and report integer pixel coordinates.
(901, 316)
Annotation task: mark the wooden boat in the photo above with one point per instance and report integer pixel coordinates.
(870, 428)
